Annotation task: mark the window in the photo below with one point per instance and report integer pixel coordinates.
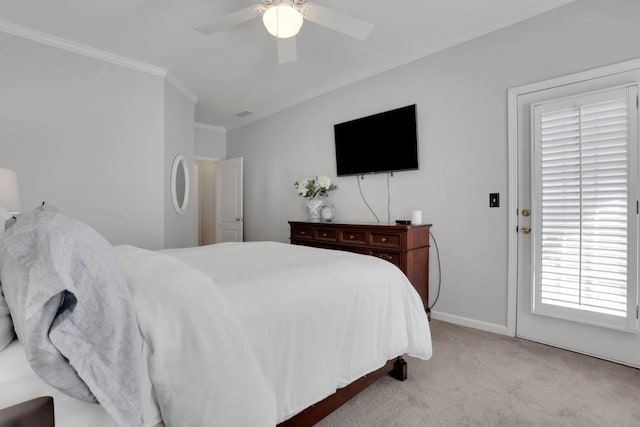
(585, 207)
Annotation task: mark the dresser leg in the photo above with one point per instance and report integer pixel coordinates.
(428, 310)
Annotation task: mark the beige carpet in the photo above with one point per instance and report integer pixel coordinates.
(477, 378)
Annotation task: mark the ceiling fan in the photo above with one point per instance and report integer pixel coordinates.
(283, 19)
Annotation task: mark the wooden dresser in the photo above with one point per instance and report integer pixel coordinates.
(406, 246)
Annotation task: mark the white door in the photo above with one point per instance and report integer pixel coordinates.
(229, 214)
(578, 217)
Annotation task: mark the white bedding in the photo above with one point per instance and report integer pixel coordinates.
(19, 383)
(317, 319)
(200, 362)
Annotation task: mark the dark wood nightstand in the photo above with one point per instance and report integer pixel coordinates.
(33, 413)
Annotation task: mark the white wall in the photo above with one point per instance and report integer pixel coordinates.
(87, 136)
(179, 116)
(461, 95)
(210, 142)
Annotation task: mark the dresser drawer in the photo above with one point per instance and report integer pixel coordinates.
(326, 234)
(388, 240)
(392, 257)
(301, 232)
(356, 237)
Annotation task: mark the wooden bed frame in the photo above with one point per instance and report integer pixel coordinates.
(40, 412)
(397, 368)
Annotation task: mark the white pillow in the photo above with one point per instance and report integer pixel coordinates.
(6, 325)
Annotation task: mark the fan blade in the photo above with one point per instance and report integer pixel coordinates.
(338, 21)
(230, 20)
(287, 50)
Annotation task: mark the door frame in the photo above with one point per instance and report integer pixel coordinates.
(512, 156)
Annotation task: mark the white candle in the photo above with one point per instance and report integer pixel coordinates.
(416, 217)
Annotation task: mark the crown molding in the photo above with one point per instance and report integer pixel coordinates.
(92, 52)
(207, 159)
(209, 127)
(79, 48)
(171, 78)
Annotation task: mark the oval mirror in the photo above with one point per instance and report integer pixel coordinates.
(180, 184)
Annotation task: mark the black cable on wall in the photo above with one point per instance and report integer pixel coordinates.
(365, 200)
(388, 199)
(435, 242)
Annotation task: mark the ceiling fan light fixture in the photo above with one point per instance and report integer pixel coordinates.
(282, 20)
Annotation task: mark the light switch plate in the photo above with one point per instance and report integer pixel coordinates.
(494, 200)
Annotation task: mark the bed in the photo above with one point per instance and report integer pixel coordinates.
(317, 325)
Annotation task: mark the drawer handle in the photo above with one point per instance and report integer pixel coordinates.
(384, 239)
(324, 234)
(385, 256)
(352, 237)
(303, 233)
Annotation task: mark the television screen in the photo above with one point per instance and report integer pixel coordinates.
(384, 142)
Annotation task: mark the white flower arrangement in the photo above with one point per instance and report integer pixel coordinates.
(311, 188)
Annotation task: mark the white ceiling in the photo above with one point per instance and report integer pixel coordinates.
(238, 69)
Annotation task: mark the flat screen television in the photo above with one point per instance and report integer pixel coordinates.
(384, 142)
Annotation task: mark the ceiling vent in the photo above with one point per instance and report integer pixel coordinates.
(244, 113)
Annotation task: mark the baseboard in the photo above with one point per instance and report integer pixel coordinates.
(471, 323)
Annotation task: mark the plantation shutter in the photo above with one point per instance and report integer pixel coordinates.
(585, 208)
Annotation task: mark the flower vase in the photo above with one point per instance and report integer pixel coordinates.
(313, 209)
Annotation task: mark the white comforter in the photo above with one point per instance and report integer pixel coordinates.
(201, 365)
(316, 319)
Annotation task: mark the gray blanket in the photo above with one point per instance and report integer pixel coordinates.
(72, 312)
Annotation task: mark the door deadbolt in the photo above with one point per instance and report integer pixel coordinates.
(525, 230)
(526, 212)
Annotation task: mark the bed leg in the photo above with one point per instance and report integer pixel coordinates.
(399, 371)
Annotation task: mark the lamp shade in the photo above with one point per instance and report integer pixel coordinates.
(9, 197)
(282, 20)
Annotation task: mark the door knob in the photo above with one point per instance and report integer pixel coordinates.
(526, 230)
(238, 219)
